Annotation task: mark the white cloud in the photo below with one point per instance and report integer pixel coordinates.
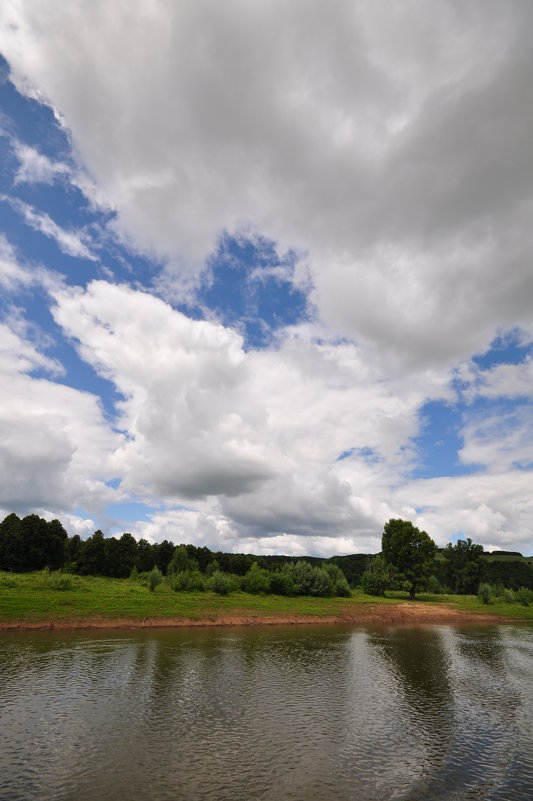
(390, 147)
(35, 167)
(12, 275)
(259, 432)
(73, 243)
(493, 509)
(55, 446)
(499, 439)
(500, 381)
(393, 146)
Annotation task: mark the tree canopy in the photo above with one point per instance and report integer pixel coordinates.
(410, 552)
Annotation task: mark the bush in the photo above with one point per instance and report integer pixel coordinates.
(134, 575)
(508, 596)
(309, 580)
(484, 593)
(338, 582)
(211, 568)
(524, 596)
(377, 578)
(155, 577)
(220, 583)
(256, 580)
(61, 581)
(281, 583)
(188, 581)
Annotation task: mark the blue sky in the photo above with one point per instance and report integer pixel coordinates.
(266, 303)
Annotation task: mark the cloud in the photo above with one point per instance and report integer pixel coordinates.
(55, 446)
(492, 508)
(391, 146)
(259, 432)
(35, 167)
(73, 243)
(12, 275)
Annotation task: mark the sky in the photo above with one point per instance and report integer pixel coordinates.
(266, 270)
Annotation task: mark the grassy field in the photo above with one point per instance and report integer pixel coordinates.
(56, 598)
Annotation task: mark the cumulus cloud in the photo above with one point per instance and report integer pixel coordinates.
(392, 146)
(389, 147)
(494, 509)
(260, 432)
(55, 445)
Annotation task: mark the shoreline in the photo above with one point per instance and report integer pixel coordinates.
(404, 613)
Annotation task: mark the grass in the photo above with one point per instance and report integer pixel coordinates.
(56, 597)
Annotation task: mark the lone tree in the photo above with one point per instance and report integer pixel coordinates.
(410, 552)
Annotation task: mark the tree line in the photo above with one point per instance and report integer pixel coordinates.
(32, 543)
(409, 560)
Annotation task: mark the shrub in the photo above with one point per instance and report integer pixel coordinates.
(281, 583)
(308, 580)
(523, 596)
(155, 577)
(134, 575)
(484, 593)
(61, 581)
(211, 568)
(188, 581)
(508, 596)
(256, 580)
(220, 583)
(377, 578)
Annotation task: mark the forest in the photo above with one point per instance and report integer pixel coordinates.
(409, 561)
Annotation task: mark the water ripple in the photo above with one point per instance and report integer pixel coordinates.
(316, 714)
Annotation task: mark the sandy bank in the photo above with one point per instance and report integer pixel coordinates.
(410, 613)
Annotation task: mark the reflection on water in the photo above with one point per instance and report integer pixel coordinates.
(313, 713)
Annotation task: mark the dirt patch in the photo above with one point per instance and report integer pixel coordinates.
(402, 613)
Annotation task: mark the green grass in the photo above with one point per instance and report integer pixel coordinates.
(32, 597)
(54, 597)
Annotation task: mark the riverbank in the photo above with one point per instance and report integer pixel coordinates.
(34, 601)
(400, 613)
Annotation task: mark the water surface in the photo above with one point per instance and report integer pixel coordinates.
(243, 714)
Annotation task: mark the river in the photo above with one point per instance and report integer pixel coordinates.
(309, 713)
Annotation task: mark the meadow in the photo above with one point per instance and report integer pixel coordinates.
(61, 598)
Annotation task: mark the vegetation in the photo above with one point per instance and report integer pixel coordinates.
(163, 579)
(38, 596)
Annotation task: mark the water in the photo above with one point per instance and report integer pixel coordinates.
(268, 714)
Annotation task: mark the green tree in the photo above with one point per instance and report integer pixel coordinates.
(11, 544)
(145, 556)
(463, 566)
(378, 577)
(155, 578)
(410, 551)
(181, 561)
(256, 580)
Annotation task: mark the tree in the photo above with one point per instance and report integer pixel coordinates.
(378, 577)
(181, 561)
(463, 565)
(410, 552)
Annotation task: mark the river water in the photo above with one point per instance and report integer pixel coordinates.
(255, 714)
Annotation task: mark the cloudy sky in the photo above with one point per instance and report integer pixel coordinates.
(266, 270)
